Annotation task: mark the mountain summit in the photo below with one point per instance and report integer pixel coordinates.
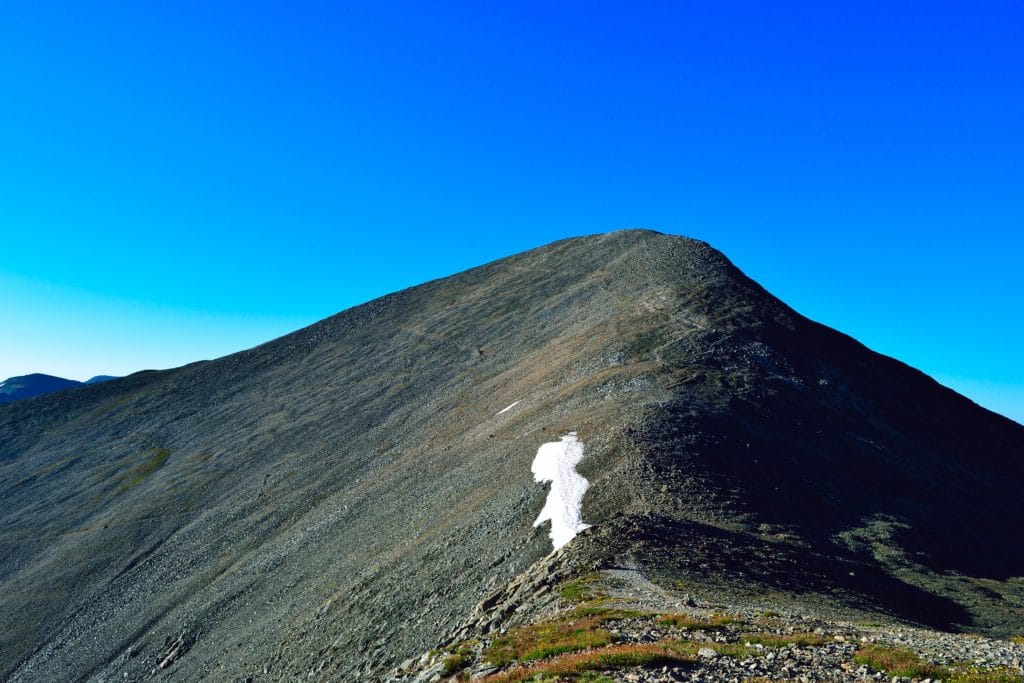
(338, 500)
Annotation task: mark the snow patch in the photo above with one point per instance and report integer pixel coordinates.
(556, 462)
(505, 410)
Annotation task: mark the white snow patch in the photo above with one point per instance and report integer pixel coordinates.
(505, 410)
(556, 462)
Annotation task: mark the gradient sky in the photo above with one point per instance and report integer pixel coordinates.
(180, 180)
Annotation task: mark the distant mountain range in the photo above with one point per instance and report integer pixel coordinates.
(37, 384)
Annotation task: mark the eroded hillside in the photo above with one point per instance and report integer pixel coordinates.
(337, 501)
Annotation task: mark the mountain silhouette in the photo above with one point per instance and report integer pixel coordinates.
(27, 386)
(37, 384)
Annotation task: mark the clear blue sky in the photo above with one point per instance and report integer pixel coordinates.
(179, 180)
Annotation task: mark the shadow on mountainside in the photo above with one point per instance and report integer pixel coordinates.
(685, 554)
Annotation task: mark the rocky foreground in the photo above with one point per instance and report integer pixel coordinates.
(615, 625)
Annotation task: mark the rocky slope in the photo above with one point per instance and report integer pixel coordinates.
(336, 501)
(616, 625)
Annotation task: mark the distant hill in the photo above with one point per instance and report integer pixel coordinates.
(38, 384)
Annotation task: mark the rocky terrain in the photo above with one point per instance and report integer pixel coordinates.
(616, 625)
(335, 502)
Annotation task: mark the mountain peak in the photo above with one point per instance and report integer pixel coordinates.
(339, 499)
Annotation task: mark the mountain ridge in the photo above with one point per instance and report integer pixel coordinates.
(337, 500)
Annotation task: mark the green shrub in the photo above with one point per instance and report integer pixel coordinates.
(453, 663)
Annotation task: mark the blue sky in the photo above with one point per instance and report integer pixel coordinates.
(182, 180)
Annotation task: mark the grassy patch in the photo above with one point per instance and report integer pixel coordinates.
(689, 648)
(1017, 639)
(546, 640)
(459, 657)
(897, 661)
(577, 665)
(771, 640)
(583, 589)
(453, 663)
(154, 460)
(668, 652)
(686, 622)
(200, 458)
(601, 614)
(977, 675)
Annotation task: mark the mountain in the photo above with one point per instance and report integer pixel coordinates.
(27, 386)
(100, 378)
(349, 496)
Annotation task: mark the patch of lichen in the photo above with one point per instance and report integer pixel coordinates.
(153, 460)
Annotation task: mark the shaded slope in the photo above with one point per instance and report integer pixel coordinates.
(338, 499)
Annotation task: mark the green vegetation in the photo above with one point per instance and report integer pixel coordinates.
(770, 640)
(689, 648)
(601, 614)
(200, 458)
(897, 661)
(545, 640)
(458, 657)
(154, 460)
(583, 589)
(577, 665)
(977, 675)
(686, 622)
(1017, 639)
(575, 646)
(455, 662)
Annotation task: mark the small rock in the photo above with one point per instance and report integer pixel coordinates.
(482, 671)
(706, 653)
